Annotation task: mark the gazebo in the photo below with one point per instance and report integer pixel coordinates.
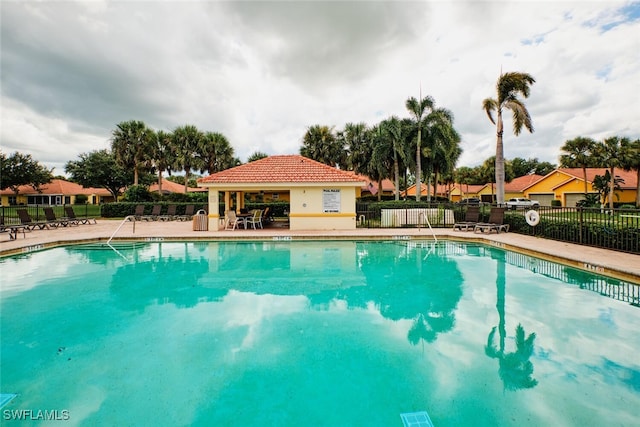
(321, 197)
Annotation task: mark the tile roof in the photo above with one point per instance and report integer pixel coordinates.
(58, 186)
(372, 186)
(521, 182)
(174, 187)
(630, 177)
(281, 169)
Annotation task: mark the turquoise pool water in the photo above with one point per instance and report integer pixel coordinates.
(324, 333)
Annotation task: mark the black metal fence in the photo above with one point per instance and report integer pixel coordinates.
(36, 212)
(617, 229)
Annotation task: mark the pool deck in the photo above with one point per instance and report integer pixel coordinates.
(611, 263)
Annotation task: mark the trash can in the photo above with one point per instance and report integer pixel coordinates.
(200, 221)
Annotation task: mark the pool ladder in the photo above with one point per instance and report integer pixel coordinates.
(424, 215)
(127, 218)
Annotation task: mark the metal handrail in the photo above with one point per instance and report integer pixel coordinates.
(127, 218)
(424, 215)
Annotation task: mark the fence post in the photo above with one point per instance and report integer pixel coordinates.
(580, 226)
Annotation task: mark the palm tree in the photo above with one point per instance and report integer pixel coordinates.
(631, 161)
(578, 153)
(442, 142)
(611, 152)
(321, 144)
(418, 108)
(356, 143)
(509, 86)
(391, 147)
(131, 143)
(215, 152)
(187, 140)
(256, 155)
(163, 153)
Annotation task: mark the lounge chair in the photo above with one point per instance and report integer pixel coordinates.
(71, 216)
(170, 215)
(188, 213)
(232, 221)
(155, 214)
(28, 223)
(254, 220)
(496, 222)
(138, 213)
(471, 218)
(53, 221)
(13, 230)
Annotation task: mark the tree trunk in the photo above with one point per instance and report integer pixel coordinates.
(418, 171)
(584, 173)
(396, 172)
(612, 186)
(499, 162)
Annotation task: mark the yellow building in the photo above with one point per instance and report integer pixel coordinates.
(567, 186)
(320, 197)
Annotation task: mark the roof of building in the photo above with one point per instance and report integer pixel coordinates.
(57, 187)
(173, 187)
(372, 186)
(443, 190)
(520, 183)
(281, 169)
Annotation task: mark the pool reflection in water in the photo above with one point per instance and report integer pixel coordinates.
(330, 333)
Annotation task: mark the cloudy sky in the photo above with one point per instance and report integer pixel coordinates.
(262, 72)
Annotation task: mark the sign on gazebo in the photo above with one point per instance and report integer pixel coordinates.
(331, 201)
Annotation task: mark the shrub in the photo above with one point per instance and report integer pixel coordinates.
(137, 193)
(556, 203)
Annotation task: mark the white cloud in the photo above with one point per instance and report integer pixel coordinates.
(262, 72)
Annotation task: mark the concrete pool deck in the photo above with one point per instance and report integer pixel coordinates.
(611, 263)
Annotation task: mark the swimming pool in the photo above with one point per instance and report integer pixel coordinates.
(321, 333)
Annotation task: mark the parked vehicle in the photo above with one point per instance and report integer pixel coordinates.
(522, 203)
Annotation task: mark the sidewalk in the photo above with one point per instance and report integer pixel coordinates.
(611, 263)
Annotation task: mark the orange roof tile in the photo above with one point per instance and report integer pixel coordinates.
(630, 177)
(281, 169)
(372, 186)
(173, 187)
(521, 182)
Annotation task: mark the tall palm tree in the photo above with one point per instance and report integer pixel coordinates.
(578, 152)
(356, 143)
(321, 144)
(215, 152)
(393, 140)
(509, 86)
(611, 152)
(443, 142)
(632, 162)
(163, 153)
(131, 143)
(418, 108)
(187, 140)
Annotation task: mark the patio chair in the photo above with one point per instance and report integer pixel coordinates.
(155, 214)
(232, 221)
(170, 215)
(12, 229)
(71, 216)
(27, 222)
(53, 221)
(188, 213)
(471, 218)
(496, 222)
(254, 220)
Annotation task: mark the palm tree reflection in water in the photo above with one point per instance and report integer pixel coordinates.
(516, 370)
